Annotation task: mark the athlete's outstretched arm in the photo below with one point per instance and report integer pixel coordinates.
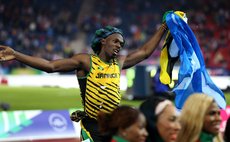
(61, 65)
(146, 50)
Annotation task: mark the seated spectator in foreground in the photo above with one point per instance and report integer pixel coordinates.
(162, 120)
(124, 124)
(200, 120)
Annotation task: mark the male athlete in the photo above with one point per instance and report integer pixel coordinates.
(98, 74)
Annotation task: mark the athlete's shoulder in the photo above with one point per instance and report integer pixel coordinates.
(81, 56)
(82, 60)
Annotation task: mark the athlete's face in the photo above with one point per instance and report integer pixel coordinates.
(136, 132)
(168, 124)
(113, 44)
(212, 119)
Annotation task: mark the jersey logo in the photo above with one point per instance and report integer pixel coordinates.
(107, 75)
(100, 68)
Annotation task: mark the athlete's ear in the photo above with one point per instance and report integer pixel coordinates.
(103, 41)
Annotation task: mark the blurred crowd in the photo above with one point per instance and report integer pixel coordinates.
(48, 28)
(39, 28)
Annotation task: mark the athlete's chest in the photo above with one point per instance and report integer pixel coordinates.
(104, 71)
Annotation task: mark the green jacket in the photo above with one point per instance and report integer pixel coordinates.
(205, 137)
(118, 139)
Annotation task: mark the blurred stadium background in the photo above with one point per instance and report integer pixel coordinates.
(60, 28)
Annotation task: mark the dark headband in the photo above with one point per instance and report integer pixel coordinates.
(103, 33)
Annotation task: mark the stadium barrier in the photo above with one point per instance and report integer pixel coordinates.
(52, 80)
(70, 81)
(35, 125)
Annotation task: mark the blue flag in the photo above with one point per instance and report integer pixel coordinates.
(193, 76)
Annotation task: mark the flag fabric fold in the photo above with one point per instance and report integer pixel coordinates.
(193, 76)
(168, 59)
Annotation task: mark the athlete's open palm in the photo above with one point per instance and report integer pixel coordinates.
(6, 53)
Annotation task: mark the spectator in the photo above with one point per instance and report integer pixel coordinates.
(200, 120)
(162, 119)
(123, 124)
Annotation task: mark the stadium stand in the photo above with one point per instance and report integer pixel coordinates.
(56, 29)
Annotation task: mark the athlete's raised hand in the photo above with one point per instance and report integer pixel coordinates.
(6, 53)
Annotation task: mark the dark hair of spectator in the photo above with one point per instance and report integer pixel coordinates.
(121, 117)
(148, 108)
(227, 131)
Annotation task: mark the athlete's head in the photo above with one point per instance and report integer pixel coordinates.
(101, 34)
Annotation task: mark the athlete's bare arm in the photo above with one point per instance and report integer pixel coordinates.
(146, 50)
(78, 61)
